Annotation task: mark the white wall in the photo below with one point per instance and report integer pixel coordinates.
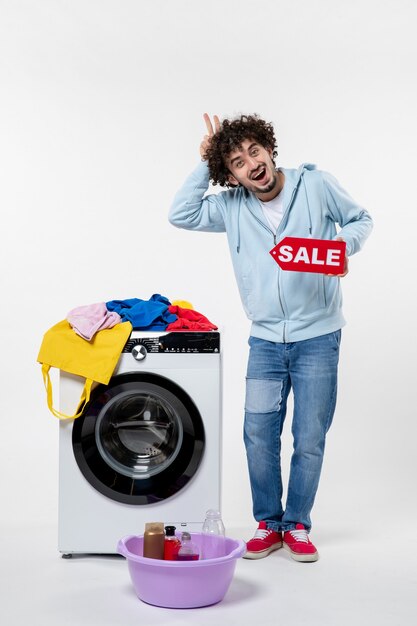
(101, 119)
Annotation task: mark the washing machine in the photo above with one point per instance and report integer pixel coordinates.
(148, 445)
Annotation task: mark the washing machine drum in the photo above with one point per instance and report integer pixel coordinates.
(140, 439)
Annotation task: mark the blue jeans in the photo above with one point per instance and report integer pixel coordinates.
(310, 368)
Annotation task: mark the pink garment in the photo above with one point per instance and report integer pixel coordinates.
(88, 319)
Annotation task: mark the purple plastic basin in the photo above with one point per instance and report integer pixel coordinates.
(181, 584)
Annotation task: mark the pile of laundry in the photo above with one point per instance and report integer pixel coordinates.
(155, 314)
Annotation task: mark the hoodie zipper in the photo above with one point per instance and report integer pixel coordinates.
(280, 229)
(274, 235)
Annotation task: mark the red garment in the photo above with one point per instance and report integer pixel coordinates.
(189, 319)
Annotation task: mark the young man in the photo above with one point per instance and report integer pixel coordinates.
(296, 316)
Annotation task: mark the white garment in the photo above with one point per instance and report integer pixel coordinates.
(273, 211)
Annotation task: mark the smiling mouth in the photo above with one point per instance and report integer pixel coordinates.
(259, 175)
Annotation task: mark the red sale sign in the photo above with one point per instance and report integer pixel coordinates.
(322, 256)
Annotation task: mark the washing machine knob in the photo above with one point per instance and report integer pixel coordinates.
(139, 352)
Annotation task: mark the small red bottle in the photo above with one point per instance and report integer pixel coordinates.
(172, 544)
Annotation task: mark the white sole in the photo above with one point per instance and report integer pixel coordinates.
(263, 553)
(302, 558)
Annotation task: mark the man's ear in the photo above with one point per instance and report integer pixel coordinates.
(232, 180)
(271, 154)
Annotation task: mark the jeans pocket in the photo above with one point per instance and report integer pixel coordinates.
(263, 395)
(336, 338)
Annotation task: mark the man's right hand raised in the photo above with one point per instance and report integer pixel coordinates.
(205, 144)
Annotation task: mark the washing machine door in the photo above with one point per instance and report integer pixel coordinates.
(140, 439)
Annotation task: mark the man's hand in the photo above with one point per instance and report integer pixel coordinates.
(205, 144)
(346, 264)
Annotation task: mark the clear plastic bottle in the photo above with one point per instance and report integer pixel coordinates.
(188, 550)
(213, 539)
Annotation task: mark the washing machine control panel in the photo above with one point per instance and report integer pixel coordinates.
(139, 352)
(175, 342)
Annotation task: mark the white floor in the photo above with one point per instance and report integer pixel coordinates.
(359, 580)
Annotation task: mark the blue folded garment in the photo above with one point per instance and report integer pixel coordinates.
(152, 314)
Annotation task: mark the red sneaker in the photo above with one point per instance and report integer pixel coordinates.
(263, 542)
(299, 545)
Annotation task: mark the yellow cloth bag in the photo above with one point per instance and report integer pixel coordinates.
(94, 360)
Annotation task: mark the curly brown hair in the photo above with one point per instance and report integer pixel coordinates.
(230, 137)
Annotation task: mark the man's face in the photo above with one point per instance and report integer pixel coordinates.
(252, 166)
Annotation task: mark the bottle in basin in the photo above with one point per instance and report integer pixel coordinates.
(172, 544)
(153, 540)
(188, 551)
(213, 536)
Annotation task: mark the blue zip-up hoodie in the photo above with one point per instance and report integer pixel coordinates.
(284, 306)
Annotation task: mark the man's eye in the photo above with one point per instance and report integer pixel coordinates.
(239, 164)
(254, 152)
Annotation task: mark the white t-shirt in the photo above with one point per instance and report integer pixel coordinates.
(273, 211)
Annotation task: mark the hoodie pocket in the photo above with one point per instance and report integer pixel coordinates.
(257, 280)
(244, 285)
(262, 298)
(304, 293)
